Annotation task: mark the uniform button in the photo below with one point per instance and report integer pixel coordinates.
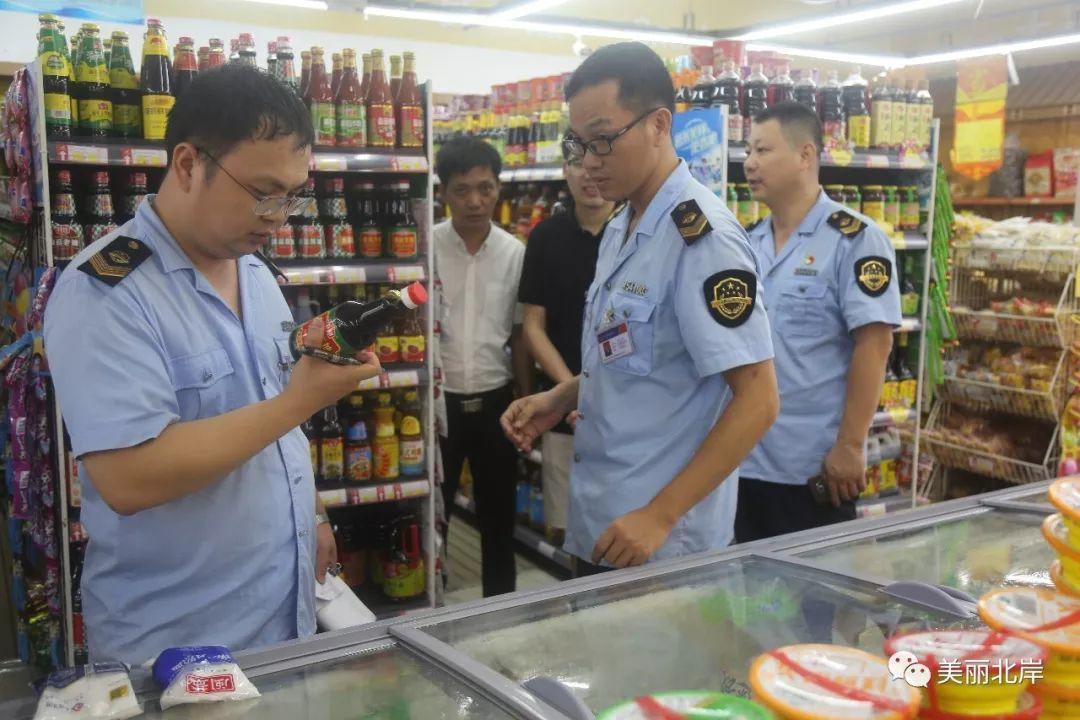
(597, 326)
(263, 381)
(580, 416)
(296, 479)
(585, 373)
(207, 375)
(607, 286)
(302, 533)
(577, 458)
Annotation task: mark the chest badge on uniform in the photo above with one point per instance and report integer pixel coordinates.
(692, 223)
(729, 296)
(848, 225)
(873, 274)
(807, 271)
(116, 260)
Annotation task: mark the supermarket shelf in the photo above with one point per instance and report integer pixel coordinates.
(375, 494)
(403, 375)
(1013, 202)
(349, 272)
(1001, 327)
(992, 397)
(909, 324)
(527, 537)
(911, 241)
(147, 153)
(1004, 468)
(990, 257)
(879, 159)
(532, 173)
(898, 416)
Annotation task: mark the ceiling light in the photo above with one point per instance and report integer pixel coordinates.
(888, 61)
(1002, 49)
(305, 4)
(526, 8)
(831, 21)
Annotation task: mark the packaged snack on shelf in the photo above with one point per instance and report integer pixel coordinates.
(1066, 167)
(1045, 617)
(200, 675)
(1039, 175)
(101, 691)
(1064, 494)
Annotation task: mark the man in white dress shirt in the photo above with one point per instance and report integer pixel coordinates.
(479, 267)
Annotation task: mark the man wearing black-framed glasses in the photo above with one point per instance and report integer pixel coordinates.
(677, 381)
(168, 344)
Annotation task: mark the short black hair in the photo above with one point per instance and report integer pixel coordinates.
(460, 155)
(798, 123)
(644, 82)
(233, 103)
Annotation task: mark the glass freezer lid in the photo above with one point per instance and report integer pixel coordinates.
(975, 553)
(696, 629)
(1037, 497)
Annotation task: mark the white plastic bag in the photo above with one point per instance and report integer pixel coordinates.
(200, 675)
(101, 691)
(337, 607)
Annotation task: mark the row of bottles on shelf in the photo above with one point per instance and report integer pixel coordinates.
(79, 221)
(371, 437)
(370, 221)
(382, 547)
(892, 116)
(93, 90)
(884, 461)
(402, 340)
(900, 389)
(895, 207)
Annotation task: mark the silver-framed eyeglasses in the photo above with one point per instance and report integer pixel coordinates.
(266, 205)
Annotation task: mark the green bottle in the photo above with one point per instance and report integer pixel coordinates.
(52, 54)
(126, 96)
(92, 78)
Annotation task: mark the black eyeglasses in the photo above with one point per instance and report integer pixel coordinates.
(602, 144)
(266, 205)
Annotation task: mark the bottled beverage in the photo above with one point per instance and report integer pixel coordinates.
(99, 209)
(911, 132)
(729, 89)
(881, 116)
(311, 431)
(910, 208)
(305, 74)
(388, 344)
(106, 49)
(409, 111)
(395, 76)
(358, 454)
(271, 58)
(857, 110)
(335, 75)
(412, 341)
(73, 87)
(412, 437)
(704, 91)
(833, 116)
(909, 292)
(386, 449)
(925, 122)
(187, 66)
(805, 91)
(339, 233)
(402, 239)
(66, 232)
(353, 326)
(134, 195)
(757, 97)
(908, 383)
(157, 99)
(309, 232)
(331, 448)
(853, 198)
(380, 106)
(234, 50)
(892, 206)
(351, 122)
(900, 113)
(286, 63)
(217, 53)
(781, 87)
(683, 98)
(92, 77)
(369, 222)
(534, 139)
(890, 390)
(321, 101)
(56, 75)
(365, 81)
(204, 58)
(247, 53)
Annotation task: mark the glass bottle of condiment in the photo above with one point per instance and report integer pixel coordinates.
(156, 81)
(321, 101)
(351, 120)
(92, 77)
(409, 110)
(380, 106)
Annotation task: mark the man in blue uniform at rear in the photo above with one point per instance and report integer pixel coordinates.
(833, 303)
(168, 344)
(677, 382)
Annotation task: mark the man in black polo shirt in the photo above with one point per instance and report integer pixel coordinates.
(560, 261)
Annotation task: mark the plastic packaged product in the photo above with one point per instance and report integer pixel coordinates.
(101, 691)
(954, 658)
(1057, 702)
(819, 682)
(1065, 571)
(337, 607)
(688, 704)
(200, 675)
(1042, 616)
(1030, 707)
(1065, 496)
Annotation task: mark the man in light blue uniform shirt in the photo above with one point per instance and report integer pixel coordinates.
(677, 381)
(833, 302)
(168, 344)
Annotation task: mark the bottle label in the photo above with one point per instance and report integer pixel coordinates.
(155, 112)
(57, 110)
(909, 215)
(95, 114)
(313, 447)
(282, 247)
(311, 242)
(899, 123)
(334, 341)
(412, 126)
(74, 112)
(412, 348)
(154, 44)
(339, 239)
(63, 204)
(892, 212)
(333, 458)
(388, 348)
(834, 129)
(323, 119)
(101, 205)
(387, 466)
(351, 125)
(874, 209)
(888, 394)
(371, 242)
(93, 72)
(735, 128)
(380, 122)
(403, 242)
(881, 123)
(123, 79)
(926, 120)
(412, 454)
(127, 120)
(358, 462)
(748, 212)
(859, 131)
(54, 64)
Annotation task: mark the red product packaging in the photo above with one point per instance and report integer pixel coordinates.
(1039, 175)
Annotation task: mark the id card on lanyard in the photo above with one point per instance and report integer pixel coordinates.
(614, 341)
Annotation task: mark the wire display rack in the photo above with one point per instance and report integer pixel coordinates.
(1044, 403)
(983, 306)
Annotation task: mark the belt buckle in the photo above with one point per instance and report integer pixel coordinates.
(472, 405)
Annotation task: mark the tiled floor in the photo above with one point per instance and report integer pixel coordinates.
(464, 565)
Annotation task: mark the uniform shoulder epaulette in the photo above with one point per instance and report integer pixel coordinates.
(691, 222)
(115, 261)
(750, 228)
(848, 225)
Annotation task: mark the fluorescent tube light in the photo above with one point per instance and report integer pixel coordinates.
(831, 21)
(1002, 49)
(305, 4)
(526, 8)
(888, 61)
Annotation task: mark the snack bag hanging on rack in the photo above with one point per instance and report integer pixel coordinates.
(200, 675)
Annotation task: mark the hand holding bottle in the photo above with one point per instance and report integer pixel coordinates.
(316, 383)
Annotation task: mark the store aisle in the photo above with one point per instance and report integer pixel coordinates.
(464, 560)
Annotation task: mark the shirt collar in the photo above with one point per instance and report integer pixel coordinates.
(812, 221)
(665, 197)
(164, 245)
(460, 241)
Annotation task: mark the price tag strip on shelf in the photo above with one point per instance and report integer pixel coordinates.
(144, 157)
(329, 163)
(372, 494)
(405, 273)
(82, 154)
